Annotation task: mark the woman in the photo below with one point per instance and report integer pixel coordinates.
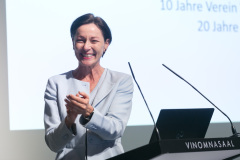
(87, 109)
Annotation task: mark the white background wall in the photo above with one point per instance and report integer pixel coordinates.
(29, 145)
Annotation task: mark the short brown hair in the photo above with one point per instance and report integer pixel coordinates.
(90, 18)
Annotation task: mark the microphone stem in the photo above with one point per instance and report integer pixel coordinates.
(232, 126)
(158, 135)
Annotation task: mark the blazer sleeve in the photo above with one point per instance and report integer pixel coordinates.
(112, 125)
(57, 135)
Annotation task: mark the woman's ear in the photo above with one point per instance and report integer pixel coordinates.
(107, 42)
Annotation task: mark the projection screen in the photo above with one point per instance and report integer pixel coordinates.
(198, 39)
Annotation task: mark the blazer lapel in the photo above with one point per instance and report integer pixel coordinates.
(103, 91)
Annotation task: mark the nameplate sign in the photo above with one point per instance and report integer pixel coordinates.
(196, 145)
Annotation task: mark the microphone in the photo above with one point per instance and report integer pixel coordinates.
(155, 127)
(234, 132)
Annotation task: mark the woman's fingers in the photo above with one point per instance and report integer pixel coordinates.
(78, 103)
(84, 95)
(80, 98)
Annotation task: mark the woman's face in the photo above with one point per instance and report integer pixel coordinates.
(89, 45)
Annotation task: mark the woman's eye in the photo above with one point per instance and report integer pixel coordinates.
(79, 40)
(94, 41)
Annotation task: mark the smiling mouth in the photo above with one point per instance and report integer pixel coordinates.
(87, 55)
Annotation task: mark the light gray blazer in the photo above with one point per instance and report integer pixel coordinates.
(112, 106)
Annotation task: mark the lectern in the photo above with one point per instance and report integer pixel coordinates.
(186, 149)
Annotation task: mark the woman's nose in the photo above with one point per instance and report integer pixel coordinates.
(87, 45)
